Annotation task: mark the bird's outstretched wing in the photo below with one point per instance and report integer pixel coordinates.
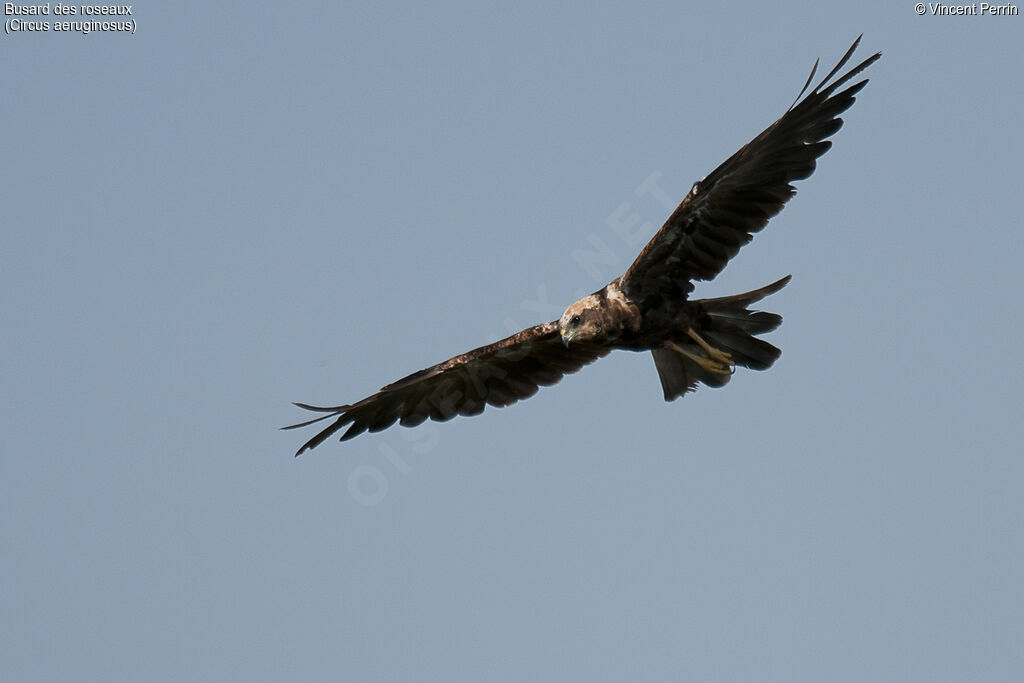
(498, 374)
(723, 211)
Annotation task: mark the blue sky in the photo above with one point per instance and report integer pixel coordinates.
(247, 204)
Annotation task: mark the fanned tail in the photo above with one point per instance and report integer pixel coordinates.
(732, 330)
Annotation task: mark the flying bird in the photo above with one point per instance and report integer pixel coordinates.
(648, 307)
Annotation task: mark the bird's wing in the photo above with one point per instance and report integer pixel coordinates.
(498, 374)
(722, 211)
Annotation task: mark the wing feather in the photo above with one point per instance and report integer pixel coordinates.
(724, 210)
(498, 374)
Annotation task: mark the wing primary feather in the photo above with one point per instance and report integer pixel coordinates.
(842, 62)
(355, 430)
(325, 434)
(309, 422)
(321, 409)
(814, 70)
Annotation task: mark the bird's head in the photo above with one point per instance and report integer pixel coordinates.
(583, 321)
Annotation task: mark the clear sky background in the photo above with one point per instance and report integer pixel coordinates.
(246, 204)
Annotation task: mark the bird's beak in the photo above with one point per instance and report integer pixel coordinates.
(565, 339)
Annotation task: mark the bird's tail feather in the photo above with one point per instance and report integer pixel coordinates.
(732, 329)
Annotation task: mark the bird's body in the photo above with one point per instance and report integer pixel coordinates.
(609, 316)
(647, 308)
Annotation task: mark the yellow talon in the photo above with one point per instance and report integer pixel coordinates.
(713, 353)
(709, 364)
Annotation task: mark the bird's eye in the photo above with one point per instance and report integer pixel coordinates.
(574, 321)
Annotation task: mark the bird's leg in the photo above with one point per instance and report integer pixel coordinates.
(708, 364)
(713, 353)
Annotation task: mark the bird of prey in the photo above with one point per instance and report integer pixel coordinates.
(648, 307)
